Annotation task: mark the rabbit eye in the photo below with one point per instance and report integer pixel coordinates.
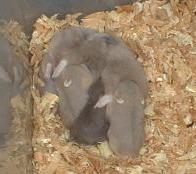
(67, 83)
(120, 100)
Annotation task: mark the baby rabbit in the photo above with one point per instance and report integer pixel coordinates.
(91, 126)
(64, 49)
(70, 47)
(78, 94)
(72, 87)
(126, 116)
(63, 72)
(11, 76)
(121, 64)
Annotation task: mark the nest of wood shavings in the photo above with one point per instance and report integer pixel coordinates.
(164, 36)
(17, 155)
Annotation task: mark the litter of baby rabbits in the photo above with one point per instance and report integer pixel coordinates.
(163, 35)
(88, 71)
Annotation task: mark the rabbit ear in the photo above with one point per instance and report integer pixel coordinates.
(16, 74)
(103, 101)
(4, 75)
(60, 67)
(48, 71)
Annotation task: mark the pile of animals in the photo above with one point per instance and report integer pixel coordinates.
(101, 87)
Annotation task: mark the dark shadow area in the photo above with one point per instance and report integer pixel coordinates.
(27, 11)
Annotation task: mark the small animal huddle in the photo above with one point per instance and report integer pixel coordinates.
(11, 83)
(101, 87)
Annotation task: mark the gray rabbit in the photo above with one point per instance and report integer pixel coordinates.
(11, 78)
(91, 126)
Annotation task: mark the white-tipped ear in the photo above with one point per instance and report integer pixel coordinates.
(48, 71)
(103, 101)
(16, 74)
(4, 75)
(60, 67)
